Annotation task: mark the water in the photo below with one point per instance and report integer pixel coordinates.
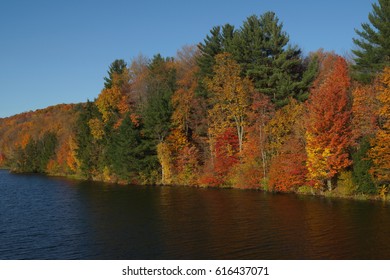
(52, 218)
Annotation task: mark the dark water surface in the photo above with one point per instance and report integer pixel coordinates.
(51, 218)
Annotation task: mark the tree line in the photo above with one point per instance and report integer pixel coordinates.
(242, 109)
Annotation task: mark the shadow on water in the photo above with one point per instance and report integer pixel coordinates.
(54, 218)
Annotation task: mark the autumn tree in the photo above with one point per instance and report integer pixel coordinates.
(286, 145)
(255, 158)
(364, 127)
(108, 101)
(36, 155)
(288, 169)
(287, 122)
(230, 98)
(328, 131)
(380, 152)
(373, 44)
(178, 154)
(183, 99)
(226, 157)
(138, 73)
(364, 112)
(164, 155)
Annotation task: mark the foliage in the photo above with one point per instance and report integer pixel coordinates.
(328, 131)
(125, 150)
(217, 42)
(305, 189)
(161, 86)
(345, 184)
(383, 191)
(183, 99)
(288, 170)
(108, 102)
(364, 111)
(373, 45)
(116, 74)
(226, 152)
(362, 165)
(380, 152)
(261, 48)
(88, 145)
(230, 97)
(187, 166)
(165, 159)
(227, 112)
(36, 155)
(19, 130)
(286, 123)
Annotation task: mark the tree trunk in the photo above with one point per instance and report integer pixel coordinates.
(329, 184)
(263, 154)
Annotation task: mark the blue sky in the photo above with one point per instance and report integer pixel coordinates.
(59, 51)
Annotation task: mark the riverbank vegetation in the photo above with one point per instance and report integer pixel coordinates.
(242, 109)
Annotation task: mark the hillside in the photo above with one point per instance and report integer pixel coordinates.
(19, 130)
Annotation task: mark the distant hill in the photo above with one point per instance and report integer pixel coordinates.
(18, 130)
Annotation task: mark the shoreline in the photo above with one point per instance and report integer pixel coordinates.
(327, 194)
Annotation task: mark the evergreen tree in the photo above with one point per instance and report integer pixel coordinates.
(46, 148)
(116, 69)
(261, 48)
(219, 41)
(36, 155)
(373, 45)
(161, 86)
(361, 169)
(31, 157)
(126, 152)
(87, 151)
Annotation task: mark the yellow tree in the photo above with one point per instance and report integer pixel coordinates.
(229, 97)
(165, 158)
(108, 102)
(187, 84)
(380, 152)
(287, 122)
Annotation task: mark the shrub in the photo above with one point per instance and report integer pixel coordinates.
(345, 185)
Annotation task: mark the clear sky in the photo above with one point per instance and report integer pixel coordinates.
(58, 51)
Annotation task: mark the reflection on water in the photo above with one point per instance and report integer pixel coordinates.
(51, 218)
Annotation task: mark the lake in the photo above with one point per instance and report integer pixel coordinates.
(56, 218)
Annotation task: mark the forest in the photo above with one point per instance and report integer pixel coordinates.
(243, 109)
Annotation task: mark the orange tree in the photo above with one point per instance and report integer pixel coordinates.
(328, 122)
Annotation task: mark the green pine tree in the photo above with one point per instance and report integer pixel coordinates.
(361, 169)
(261, 48)
(276, 68)
(46, 148)
(158, 110)
(373, 45)
(126, 151)
(88, 148)
(219, 41)
(117, 68)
